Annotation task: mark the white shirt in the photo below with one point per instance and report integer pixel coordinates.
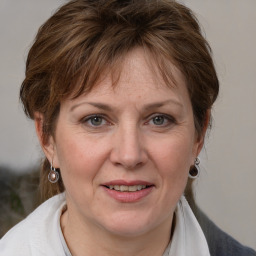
(188, 238)
(40, 233)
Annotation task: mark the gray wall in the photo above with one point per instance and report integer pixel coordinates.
(226, 188)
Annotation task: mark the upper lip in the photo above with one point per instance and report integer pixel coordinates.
(128, 183)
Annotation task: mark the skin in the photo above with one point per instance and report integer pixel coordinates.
(146, 132)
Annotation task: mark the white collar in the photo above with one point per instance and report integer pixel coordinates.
(188, 237)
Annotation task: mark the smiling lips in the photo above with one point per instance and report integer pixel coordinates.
(124, 188)
(128, 192)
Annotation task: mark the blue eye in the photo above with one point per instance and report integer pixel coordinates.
(95, 121)
(159, 120)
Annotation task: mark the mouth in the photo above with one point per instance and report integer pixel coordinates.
(126, 188)
(128, 191)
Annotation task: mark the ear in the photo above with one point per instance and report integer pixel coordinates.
(201, 137)
(47, 144)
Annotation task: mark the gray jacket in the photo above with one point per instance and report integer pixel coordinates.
(220, 243)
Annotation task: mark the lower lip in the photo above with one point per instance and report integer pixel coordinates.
(128, 197)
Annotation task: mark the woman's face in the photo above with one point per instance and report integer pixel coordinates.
(124, 152)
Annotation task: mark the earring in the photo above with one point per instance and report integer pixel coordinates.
(53, 175)
(194, 170)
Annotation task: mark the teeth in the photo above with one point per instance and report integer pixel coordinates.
(124, 188)
(133, 188)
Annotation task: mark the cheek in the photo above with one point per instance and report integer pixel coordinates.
(173, 160)
(79, 165)
(79, 158)
(176, 154)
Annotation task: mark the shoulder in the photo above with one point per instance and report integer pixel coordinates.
(219, 242)
(35, 233)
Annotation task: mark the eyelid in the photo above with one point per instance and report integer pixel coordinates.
(149, 118)
(87, 118)
(167, 116)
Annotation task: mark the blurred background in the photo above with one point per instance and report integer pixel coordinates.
(226, 189)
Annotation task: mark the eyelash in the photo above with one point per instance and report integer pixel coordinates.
(168, 120)
(90, 118)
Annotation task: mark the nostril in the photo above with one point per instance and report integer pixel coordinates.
(132, 166)
(128, 150)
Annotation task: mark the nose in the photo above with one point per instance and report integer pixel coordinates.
(128, 150)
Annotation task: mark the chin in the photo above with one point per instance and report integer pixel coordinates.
(127, 231)
(130, 225)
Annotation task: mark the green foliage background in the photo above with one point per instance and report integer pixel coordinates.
(19, 195)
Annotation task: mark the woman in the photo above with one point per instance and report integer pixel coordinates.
(121, 95)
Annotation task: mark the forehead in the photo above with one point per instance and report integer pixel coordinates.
(138, 81)
(138, 70)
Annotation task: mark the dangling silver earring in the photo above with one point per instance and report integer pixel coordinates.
(194, 170)
(53, 175)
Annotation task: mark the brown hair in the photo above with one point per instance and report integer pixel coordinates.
(85, 37)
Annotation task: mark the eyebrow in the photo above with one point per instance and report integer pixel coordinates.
(146, 107)
(94, 104)
(161, 104)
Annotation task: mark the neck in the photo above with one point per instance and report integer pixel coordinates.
(87, 239)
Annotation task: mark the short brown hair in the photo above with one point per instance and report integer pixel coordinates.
(85, 37)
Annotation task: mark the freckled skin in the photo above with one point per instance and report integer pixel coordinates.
(129, 145)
